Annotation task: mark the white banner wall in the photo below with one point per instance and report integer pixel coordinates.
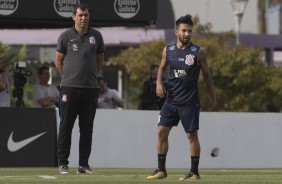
(127, 139)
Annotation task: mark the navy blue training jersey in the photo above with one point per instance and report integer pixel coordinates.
(183, 74)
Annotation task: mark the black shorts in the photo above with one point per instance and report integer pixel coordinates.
(171, 115)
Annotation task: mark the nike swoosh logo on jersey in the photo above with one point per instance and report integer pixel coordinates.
(15, 146)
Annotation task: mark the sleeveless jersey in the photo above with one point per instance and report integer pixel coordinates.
(183, 75)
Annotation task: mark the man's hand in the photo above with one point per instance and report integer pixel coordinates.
(212, 104)
(160, 89)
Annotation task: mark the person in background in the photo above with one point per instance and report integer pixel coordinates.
(79, 58)
(5, 77)
(44, 94)
(149, 99)
(184, 60)
(108, 98)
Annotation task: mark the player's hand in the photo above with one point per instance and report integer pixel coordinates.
(212, 104)
(160, 90)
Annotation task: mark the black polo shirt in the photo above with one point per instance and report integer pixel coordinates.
(80, 62)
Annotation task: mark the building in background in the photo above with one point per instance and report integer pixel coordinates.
(218, 12)
(273, 16)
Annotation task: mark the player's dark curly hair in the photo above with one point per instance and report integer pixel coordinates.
(187, 19)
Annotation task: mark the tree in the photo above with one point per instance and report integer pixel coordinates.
(136, 63)
(7, 53)
(242, 80)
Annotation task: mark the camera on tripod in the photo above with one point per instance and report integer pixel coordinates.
(20, 74)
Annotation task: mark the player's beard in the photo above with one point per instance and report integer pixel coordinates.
(183, 40)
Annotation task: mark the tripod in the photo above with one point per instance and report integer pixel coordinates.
(18, 92)
(20, 102)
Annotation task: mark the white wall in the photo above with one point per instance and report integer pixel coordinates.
(219, 13)
(127, 138)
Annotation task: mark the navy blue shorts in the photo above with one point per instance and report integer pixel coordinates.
(171, 115)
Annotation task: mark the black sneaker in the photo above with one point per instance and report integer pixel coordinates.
(190, 176)
(64, 169)
(84, 169)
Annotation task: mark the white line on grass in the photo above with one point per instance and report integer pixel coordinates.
(15, 177)
(47, 177)
(247, 170)
(28, 177)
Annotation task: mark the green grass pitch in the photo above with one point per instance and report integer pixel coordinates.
(138, 176)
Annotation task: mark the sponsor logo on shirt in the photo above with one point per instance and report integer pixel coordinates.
(171, 47)
(64, 98)
(193, 48)
(74, 47)
(92, 40)
(189, 59)
(179, 73)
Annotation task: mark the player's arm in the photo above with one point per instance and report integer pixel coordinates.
(100, 61)
(59, 61)
(160, 88)
(207, 78)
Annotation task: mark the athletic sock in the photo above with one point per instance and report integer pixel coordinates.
(194, 164)
(161, 162)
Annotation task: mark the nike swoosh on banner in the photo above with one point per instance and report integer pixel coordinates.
(15, 146)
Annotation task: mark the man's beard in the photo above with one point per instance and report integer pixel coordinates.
(184, 41)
